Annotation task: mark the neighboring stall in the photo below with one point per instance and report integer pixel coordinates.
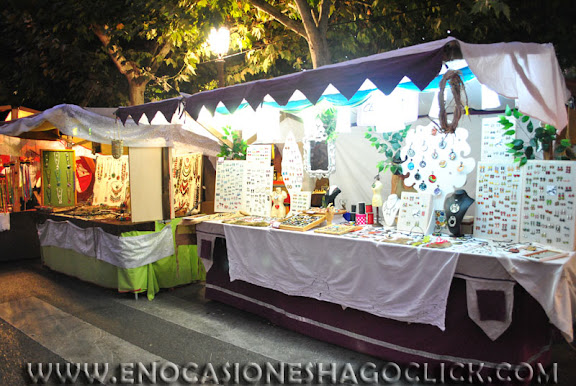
(108, 211)
(419, 287)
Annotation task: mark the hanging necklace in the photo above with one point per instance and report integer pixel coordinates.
(59, 195)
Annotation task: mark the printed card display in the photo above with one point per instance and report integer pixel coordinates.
(300, 202)
(259, 153)
(415, 212)
(292, 167)
(258, 188)
(494, 141)
(548, 210)
(498, 190)
(229, 196)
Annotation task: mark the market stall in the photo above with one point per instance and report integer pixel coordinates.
(111, 216)
(474, 247)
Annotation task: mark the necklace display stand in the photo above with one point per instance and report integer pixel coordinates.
(455, 207)
(331, 195)
(390, 210)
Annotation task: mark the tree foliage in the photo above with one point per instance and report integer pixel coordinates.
(113, 52)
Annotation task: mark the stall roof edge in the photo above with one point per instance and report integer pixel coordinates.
(421, 63)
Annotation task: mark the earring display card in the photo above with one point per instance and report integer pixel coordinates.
(292, 167)
(259, 153)
(498, 190)
(548, 210)
(258, 188)
(300, 202)
(415, 212)
(229, 195)
(494, 141)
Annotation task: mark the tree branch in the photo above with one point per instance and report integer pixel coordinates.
(164, 50)
(280, 17)
(307, 16)
(125, 67)
(324, 15)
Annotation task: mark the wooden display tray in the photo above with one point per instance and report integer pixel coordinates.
(313, 224)
(337, 229)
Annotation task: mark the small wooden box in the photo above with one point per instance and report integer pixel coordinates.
(311, 221)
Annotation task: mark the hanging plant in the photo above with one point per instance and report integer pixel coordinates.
(542, 139)
(239, 146)
(328, 118)
(388, 144)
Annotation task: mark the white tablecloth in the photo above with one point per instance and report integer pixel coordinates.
(123, 252)
(364, 274)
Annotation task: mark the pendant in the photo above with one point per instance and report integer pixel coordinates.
(452, 221)
(417, 176)
(454, 208)
(411, 151)
(434, 131)
(442, 164)
(442, 144)
(460, 167)
(422, 186)
(437, 191)
(422, 164)
(452, 155)
(435, 154)
(432, 178)
(411, 165)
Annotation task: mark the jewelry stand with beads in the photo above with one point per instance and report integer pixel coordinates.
(58, 175)
(111, 180)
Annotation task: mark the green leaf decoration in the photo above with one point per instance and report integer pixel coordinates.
(508, 111)
(516, 114)
(529, 151)
(510, 145)
(560, 149)
(367, 135)
(389, 153)
(566, 142)
(510, 132)
(530, 127)
(523, 161)
(373, 139)
(525, 118)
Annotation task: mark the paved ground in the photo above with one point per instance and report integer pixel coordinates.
(51, 318)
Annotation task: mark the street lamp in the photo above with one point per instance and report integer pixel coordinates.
(219, 41)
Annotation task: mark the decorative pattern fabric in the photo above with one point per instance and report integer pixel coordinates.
(187, 173)
(112, 179)
(491, 290)
(124, 252)
(352, 273)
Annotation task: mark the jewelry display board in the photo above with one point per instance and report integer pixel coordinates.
(187, 178)
(229, 195)
(259, 178)
(436, 162)
(494, 141)
(548, 210)
(415, 212)
(300, 202)
(112, 180)
(498, 190)
(292, 167)
(259, 153)
(58, 173)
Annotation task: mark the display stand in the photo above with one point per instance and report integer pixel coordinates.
(58, 172)
(390, 209)
(455, 207)
(415, 212)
